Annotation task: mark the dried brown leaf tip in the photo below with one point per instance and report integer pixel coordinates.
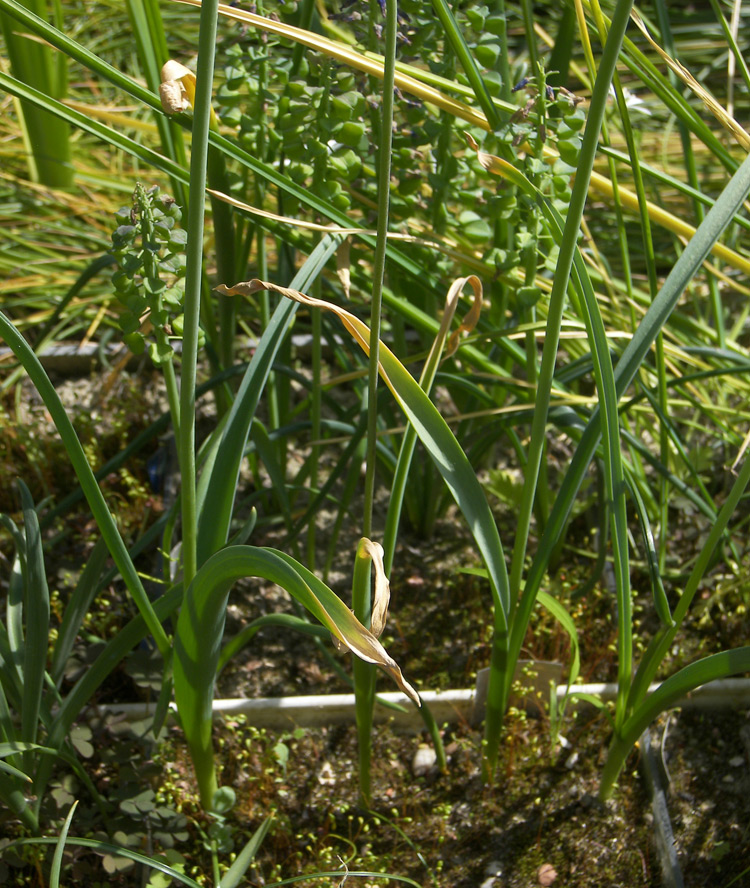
(353, 636)
(546, 875)
(343, 270)
(381, 595)
(173, 97)
(472, 316)
(177, 87)
(490, 162)
(250, 288)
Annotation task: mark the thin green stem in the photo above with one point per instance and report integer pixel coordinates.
(173, 391)
(215, 861)
(504, 60)
(443, 158)
(731, 43)
(224, 244)
(528, 24)
(364, 673)
(662, 17)
(315, 421)
(193, 274)
(319, 175)
(378, 271)
(559, 288)
(261, 255)
(689, 157)
(614, 480)
(474, 76)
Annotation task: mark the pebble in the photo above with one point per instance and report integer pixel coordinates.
(546, 875)
(587, 800)
(424, 759)
(571, 761)
(737, 761)
(326, 777)
(462, 813)
(493, 868)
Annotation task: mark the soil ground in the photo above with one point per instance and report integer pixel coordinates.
(442, 830)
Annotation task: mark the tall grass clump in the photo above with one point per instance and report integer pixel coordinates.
(159, 284)
(46, 136)
(474, 168)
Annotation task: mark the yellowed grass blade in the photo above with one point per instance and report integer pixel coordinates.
(718, 111)
(600, 184)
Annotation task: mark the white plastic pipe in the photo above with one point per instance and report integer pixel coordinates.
(447, 706)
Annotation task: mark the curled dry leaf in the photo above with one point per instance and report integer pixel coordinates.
(546, 874)
(174, 70)
(173, 97)
(499, 167)
(381, 595)
(484, 158)
(359, 331)
(328, 609)
(177, 87)
(489, 162)
(362, 642)
(471, 317)
(342, 267)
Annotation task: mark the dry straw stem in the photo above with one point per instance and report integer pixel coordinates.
(444, 248)
(115, 114)
(720, 113)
